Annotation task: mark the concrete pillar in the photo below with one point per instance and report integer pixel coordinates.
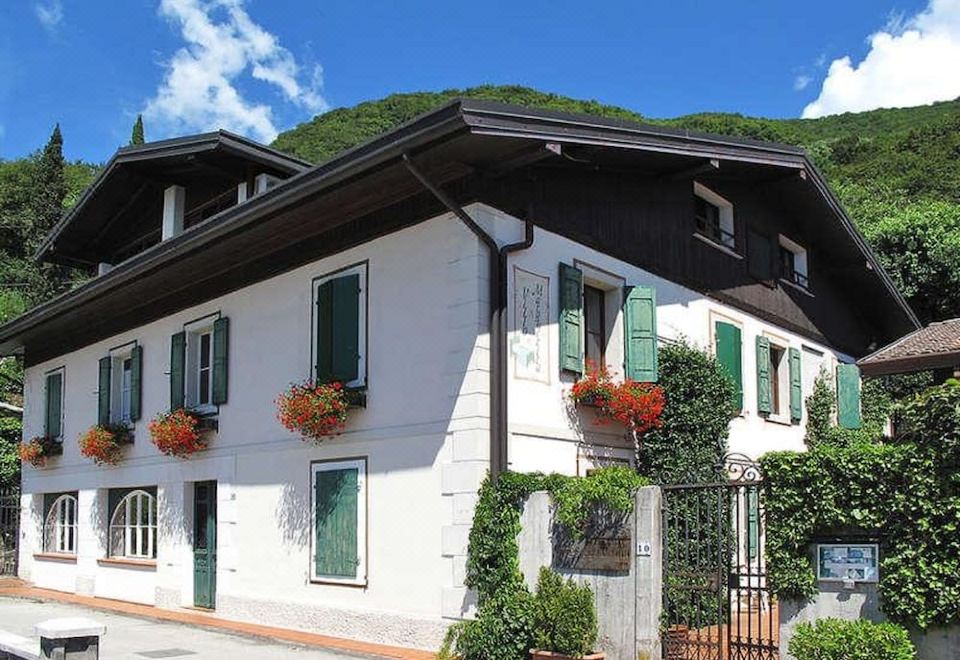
(174, 204)
(71, 638)
(649, 571)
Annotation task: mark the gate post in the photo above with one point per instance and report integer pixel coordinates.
(649, 571)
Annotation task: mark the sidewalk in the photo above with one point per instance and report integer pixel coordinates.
(142, 631)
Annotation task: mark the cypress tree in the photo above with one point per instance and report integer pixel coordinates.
(137, 136)
(49, 185)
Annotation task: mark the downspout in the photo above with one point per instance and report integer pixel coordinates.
(497, 327)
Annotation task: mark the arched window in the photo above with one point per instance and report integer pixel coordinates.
(60, 527)
(133, 527)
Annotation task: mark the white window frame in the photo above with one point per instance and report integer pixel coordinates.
(725, 209)
(194, 332)
(60, 527)
(362, 300)
(612, 286)
(117, 358)
(132, 528)
(799, 262)
(360, 464)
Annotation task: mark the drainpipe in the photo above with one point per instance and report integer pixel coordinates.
(497, 327)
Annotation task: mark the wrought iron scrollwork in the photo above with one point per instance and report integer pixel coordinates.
(741, 469)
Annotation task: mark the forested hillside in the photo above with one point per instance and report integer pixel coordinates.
(896, 171)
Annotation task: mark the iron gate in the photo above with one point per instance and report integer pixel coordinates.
(9, 530)
(717, 603)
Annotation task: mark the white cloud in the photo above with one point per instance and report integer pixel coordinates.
(50, 14)
(801, 82)
(223, 45)
(911, 62)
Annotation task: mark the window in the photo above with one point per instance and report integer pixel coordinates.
(793, 263)
(60, 526)
(53, 416)
(119, 385)
(198, 365)
(126, 388)
(339, 515)
(595, 327)
(713, 216)
(133, 526)
(777, 354)
(779, 381)
(340, 327)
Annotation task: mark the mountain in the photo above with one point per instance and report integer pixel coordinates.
(897, 171)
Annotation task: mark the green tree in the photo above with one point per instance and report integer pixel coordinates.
(136, 137)
(49, 189)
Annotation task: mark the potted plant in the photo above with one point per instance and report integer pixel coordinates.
(104, 442)
(315, 411)
(564, 620)
(177, 433)
(38, 450)
(637, 406)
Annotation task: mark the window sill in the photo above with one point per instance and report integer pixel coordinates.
(55, 556)
(121, 562)
(779, 421)
(357, 584)
(717, 246)
(794, 285)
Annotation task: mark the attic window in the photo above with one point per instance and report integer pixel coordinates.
(793, 263)
(264, 182)
(713, 216)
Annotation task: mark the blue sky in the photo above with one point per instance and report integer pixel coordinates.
(261, 66)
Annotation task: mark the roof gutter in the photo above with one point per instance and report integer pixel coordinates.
(497, 322)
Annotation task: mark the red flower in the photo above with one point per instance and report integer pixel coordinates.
(637, 406)
(175, 433)
(34, 452)
(314, 411)
(103, 443)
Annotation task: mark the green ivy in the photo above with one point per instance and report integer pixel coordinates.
(504, 626)
(906, 493)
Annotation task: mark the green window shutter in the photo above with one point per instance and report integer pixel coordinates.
(571, 319)
(178, 359)
(729, 352)
(753, 523)
(848, 396)
(764, 394)
(103, 391)
(221, 334)
(336, 523)
(640, 326)
(136, 382)
(796, 387)
(346, 328)
(52, 427)
(324, 365)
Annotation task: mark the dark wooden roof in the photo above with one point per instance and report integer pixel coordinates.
(933, 347)
(148, 168)
(366, 192)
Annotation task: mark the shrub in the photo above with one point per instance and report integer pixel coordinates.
(835, 639)
(503, 630)
(564, 616)
(932, 419)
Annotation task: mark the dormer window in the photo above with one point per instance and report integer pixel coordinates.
(793, 263)
(713, 217)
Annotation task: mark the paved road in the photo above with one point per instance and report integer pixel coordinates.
(130, 638)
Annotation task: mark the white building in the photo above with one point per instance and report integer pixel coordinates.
(211, 253)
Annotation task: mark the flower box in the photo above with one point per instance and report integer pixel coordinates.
(181, 432)
(537, 654)
(317, 410)
(104, 442)
(636, 405)
(39, 449)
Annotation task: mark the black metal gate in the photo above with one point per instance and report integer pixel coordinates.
(716, 601)
(9, 530)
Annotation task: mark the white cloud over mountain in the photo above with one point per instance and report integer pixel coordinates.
(912, 61)
(201, 88)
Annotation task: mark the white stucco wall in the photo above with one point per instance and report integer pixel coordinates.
(424, 435)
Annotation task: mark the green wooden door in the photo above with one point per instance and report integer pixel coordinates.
(205, 544)
(336, 523)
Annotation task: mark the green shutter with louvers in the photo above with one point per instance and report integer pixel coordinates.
(764, 394)
(221, 334)
(324, 347)
(136, 382)
(729, 352)
(346, 328)
(103, 391)
(52, 426)
(178, 359)
(640, 327)
(336, 523)
(848, 396)
(796, 387)
(571, 319)
(753, 522)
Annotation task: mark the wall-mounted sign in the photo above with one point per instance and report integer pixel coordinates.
(596, 554)
(530, 341)
(837, 562)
